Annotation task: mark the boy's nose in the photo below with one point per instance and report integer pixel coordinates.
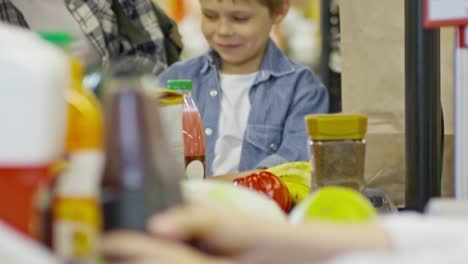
(225, 28)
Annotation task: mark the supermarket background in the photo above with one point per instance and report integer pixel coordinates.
(299, 32)
(362, 64)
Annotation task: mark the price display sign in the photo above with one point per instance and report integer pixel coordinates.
(440, 13)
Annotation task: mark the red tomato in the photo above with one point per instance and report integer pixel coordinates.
(269, 184)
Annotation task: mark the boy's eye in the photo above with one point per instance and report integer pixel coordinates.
(209, 16)
(241, 18)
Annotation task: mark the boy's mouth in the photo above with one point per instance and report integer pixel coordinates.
(228, 46)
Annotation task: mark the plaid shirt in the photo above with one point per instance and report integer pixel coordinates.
(9, 13)
(99, 22)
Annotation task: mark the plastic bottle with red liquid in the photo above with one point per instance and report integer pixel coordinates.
(192, 126)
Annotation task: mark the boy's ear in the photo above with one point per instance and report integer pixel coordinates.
(281, 12)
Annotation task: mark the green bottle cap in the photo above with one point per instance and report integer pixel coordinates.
(179, 85)
(60, 38)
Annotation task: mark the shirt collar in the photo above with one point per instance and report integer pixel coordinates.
(211, 59)
(275, 63)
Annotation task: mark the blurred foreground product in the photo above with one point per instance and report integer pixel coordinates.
(34, 76)
(17, 249)
(338, 148)
(229, 197)
(194, 139)
(334, 204)
(76, 212)
(76, 216)
(140, 177)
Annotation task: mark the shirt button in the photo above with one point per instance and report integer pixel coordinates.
(213, 93)
(208, 131)
(273, 147)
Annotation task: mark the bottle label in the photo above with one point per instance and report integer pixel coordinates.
(30, 188)
(77, 223)
(195, 170)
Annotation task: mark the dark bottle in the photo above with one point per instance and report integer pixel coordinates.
(140, 177)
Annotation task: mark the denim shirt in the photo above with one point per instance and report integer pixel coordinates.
(281, 95)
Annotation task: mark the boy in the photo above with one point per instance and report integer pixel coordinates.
(251, 97)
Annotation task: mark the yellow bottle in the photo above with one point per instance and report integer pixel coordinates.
(76, 212)
(85, 121)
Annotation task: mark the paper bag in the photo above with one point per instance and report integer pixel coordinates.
(373, 83)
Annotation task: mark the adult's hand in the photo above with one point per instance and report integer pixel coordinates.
(130, 247)
(243, 239)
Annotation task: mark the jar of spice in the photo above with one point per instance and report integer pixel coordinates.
(337, 146)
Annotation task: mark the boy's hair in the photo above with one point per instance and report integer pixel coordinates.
(272, 5)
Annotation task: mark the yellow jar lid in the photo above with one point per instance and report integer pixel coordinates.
(336, 126)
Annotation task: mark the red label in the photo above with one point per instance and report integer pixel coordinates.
(23, 194)
(440, 13)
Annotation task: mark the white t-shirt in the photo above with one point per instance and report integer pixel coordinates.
(54, 15)
(235, 108)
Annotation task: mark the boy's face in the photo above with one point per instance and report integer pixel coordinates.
(238, 30)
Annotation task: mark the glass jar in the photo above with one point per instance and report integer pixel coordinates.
(337, 147)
